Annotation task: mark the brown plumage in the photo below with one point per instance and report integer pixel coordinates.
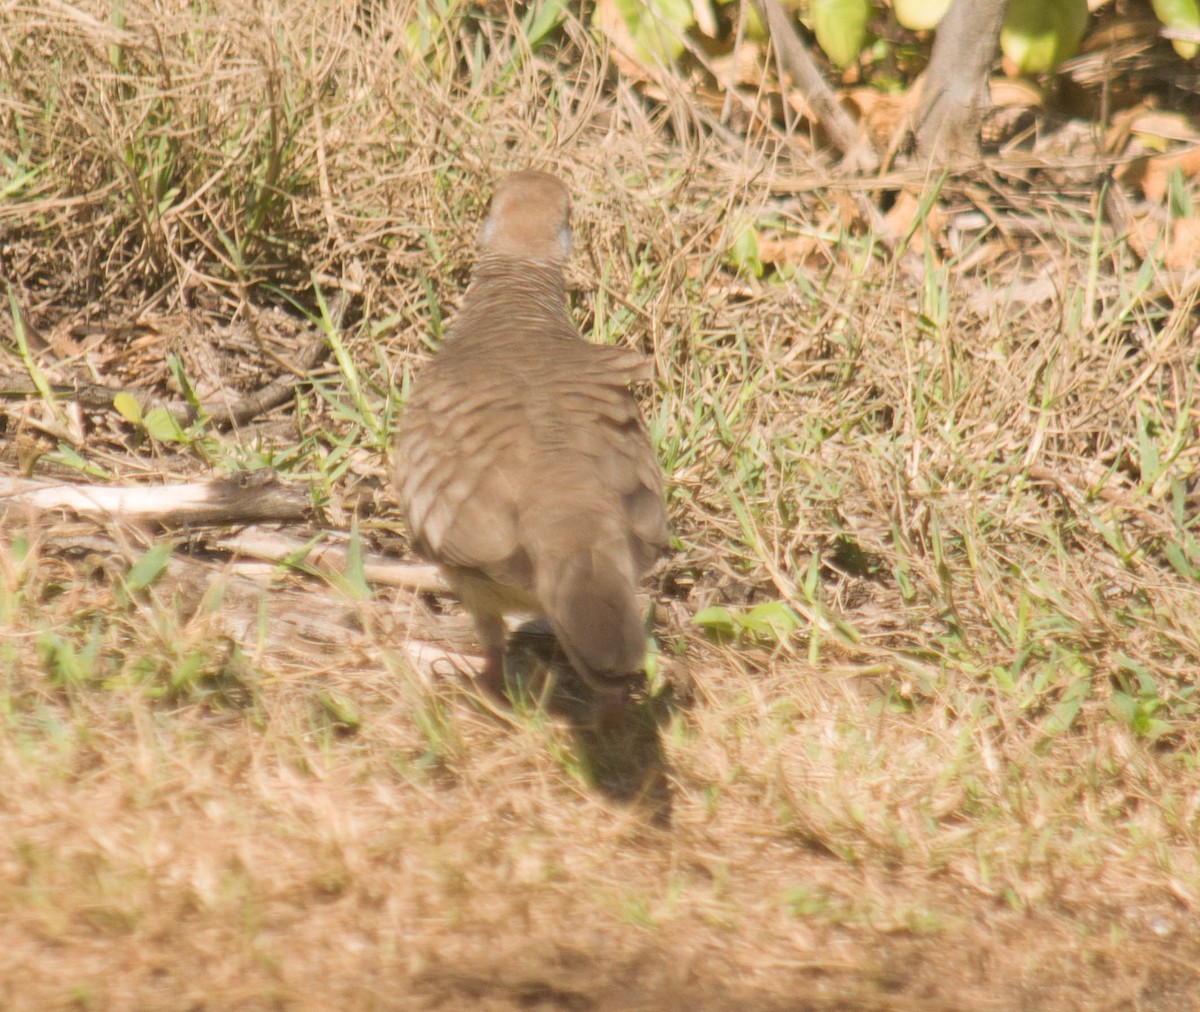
(523, 464)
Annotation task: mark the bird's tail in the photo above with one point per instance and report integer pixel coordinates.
(590, 598)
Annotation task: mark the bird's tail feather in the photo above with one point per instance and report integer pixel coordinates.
(590, 598)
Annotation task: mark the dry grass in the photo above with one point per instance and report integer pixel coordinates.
(961, 773)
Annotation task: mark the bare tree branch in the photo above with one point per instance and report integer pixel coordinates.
(858, 155)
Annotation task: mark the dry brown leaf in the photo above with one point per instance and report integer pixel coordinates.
(883, 114)
(846, 209)
(743, 66)
(904, 214)
(782, 248)
(624, 52)
(1153, 172)
(1014, 91)
(1144, 232)
(1109, 34)
(706, 20)
(1122, 126)
(1183, 251)
(1168, 126)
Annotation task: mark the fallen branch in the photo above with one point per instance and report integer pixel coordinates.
(248, 497)
(273, 547)
(279, 391)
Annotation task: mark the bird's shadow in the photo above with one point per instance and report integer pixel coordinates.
(618, 743)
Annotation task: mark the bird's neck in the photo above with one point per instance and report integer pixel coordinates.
(518, 290)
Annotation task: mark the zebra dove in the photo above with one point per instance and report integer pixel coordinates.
(523, 466)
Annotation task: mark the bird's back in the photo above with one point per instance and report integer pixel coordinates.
(509, 442)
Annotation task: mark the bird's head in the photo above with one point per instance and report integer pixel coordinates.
(530, 219)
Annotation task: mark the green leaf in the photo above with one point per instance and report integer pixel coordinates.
(841, 27)
(161, 424)
(1039, 34)
(60, 660)
(743, 254)
(356, 577)
(774, 620)
(150, 566)
(128, 407)
(184, 382)
(18, 326)
(541, 19)
(920, 15)
(1182, 14)
(650, 664)
(1179, 197)
(1148, 459)
(341, 709)
(717, 620)
(1179, 561)
(1064, 713)
(756, 31)
(188, 670)
(656, 27)
(15, 184)
(771, 622)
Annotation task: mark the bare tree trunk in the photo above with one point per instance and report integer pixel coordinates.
(955, 93)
